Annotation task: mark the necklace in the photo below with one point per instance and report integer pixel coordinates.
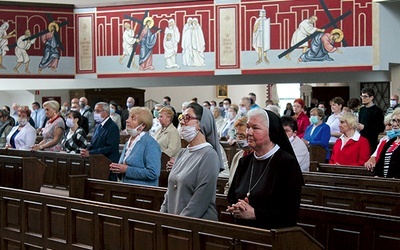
(251, 176)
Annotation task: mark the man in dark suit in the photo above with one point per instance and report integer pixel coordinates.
(105, 139)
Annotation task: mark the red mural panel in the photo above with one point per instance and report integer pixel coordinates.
(285, 17)
(110, 23)
(37, 19)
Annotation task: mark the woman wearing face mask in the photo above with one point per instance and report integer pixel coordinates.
(22, 136)
(390, 134)
(156, 123)
(192, 181)
(351, 148)
(140, 161)
(75, 136)
(388, 164)
(227, 129)
(318, 133)
(54, 129)
(113, 114)
(7, 123)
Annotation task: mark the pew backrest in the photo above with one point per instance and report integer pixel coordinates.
(44, 221)
(21, 172)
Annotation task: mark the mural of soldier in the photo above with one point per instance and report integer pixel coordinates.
(306, 28)
(261, 37)
(23, 44)
(4, 41)
(129, 40)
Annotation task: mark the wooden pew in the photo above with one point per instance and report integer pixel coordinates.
(378, 202)
(330, 226)
(230, 150)
(163, 179)
(21, 172)
(42, 221)
(341, 169)
(351, 181)
(61, 165)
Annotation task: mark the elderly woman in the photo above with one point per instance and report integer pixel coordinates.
(140, 160)
(156, 123)
(54, 129)
(351, 148)
(75, 135)
(168, 137)
(192, 181)
(22, 136)
(7, 123)
(266, 189)
(318, 133)
(114, 115)
(388, 164)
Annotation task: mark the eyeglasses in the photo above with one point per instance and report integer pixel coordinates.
(397, 121)
(98, 110)
(240, 136)
(364, 96)
(186, 118)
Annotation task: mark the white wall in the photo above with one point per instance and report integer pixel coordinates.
(26, 97)
(203, 93)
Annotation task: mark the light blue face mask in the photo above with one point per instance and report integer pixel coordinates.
(156, 113)
(314, 119)
(393, 133)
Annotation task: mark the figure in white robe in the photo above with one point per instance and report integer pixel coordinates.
(127, 44)
(187, 51)
(171, 40)
(23, 44)
(261, 36)
(198, 44)
(305, 29)
(4, 41)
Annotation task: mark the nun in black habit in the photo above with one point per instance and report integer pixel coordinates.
(266, 188)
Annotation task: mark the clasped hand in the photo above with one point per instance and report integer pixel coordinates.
(242, 210)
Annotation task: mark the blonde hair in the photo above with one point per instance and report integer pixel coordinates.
(350, 119)
(168, 112)
(143, 115)
(52, 104)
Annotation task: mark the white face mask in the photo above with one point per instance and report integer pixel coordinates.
(22, 121)
(243, 144)
(98, 118)
(393, 103)
(243, 111)
(69, 122)
(230, 115)
(212, 108)
(133, 131)
(188, 133)
(226, 106)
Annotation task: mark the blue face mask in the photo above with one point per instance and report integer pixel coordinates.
(393, 133)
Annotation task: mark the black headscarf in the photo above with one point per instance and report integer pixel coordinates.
(277, 134)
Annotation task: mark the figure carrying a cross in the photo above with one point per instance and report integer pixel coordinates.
(51, 55)
(147, 41)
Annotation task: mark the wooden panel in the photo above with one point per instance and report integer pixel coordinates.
(50, 175)
(12, 214)
(83, 226)
(57, 224)
(111, 232)
(176, 238)
(11, 244)
(142, 235)
(35, 219)
(345, 238)
(384, 239)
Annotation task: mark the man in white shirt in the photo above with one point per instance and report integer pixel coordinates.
(38, 115)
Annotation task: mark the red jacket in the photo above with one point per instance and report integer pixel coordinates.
(302, 123)
(354, 153)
